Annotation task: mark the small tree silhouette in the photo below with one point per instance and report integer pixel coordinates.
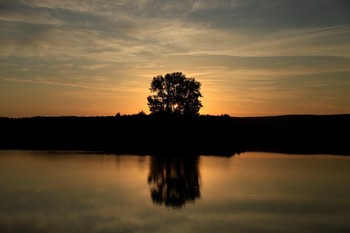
(174, 93)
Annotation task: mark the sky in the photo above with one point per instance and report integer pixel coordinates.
(98, 57)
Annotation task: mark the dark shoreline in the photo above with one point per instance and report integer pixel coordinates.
(298, 134)
(170, 135)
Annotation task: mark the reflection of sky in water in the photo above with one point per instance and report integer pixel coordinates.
(258, 192)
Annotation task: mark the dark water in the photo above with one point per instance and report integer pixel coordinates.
(250, 192)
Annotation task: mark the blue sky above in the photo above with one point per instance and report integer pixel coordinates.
(98, 57)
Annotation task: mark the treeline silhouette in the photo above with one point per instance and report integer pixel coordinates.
(129, 134)
(297, 134)
(178, 134)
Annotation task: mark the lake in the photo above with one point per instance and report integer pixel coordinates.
(58, 191)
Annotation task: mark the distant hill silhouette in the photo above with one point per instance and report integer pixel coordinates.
(174, 134)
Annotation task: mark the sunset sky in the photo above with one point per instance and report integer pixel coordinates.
(98, 57)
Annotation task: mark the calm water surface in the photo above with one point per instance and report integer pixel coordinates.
(250, 192)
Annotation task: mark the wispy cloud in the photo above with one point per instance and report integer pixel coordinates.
(79, 84)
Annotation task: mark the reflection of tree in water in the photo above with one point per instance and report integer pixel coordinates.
(174, 180)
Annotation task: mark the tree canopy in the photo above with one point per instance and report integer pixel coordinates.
(174, 93)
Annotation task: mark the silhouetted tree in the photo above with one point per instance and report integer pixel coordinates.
(175, 93)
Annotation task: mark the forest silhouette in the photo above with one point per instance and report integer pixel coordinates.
(129, 134)
(175, 134)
